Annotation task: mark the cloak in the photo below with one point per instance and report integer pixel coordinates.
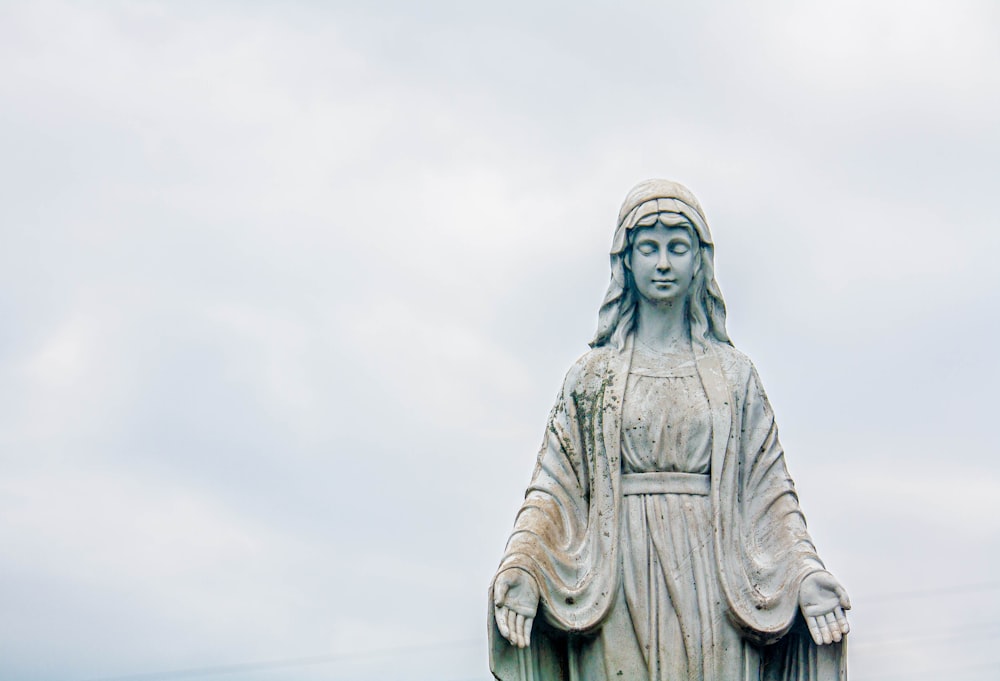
(566, 534)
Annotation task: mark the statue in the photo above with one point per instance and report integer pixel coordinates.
(660, 537)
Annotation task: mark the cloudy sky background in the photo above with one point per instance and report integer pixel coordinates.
(288, 290)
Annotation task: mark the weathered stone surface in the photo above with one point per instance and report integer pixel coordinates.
(661, 536)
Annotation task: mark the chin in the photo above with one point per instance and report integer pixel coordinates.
(665, 298)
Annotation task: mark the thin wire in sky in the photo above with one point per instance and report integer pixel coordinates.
(951, 589)
(287, 663)
(290, 663)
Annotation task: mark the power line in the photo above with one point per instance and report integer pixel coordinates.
(972, 631)
(939, 673)
(289, 663)
(286, 663)
(953, 589)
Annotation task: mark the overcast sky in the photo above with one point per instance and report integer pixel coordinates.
(289, 288)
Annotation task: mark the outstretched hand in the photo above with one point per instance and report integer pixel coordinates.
(823, 602)
(515, 602)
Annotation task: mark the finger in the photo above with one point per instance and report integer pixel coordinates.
(842, 621)
(831, 622)
(528, 621)
(845, 600)
(500, 614)
(512, 626)
(500, 592)
(824, 629)
(814, 630)
(519, 629)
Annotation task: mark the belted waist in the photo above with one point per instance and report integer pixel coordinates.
(666, 483)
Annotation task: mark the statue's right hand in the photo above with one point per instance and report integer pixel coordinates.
(515, 603)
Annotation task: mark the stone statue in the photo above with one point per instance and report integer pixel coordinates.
(661, 538)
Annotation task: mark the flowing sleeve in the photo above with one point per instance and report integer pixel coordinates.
(565, 533)
(552, 521)
(768, 551)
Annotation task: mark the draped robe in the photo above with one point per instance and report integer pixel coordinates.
(567, 532)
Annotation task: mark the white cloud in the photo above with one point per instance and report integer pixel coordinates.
(290, 291)
(435, 368)
(946, 50)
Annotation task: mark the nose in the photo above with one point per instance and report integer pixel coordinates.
(663, 262)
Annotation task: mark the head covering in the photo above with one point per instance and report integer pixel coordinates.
(652, 197)
(707, 310)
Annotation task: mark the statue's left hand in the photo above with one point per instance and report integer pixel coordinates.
(823, 601)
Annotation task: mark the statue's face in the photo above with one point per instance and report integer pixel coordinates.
(663, 261)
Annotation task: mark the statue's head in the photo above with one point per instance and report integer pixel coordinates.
(658, 215)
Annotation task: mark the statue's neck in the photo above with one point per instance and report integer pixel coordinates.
(665, 327)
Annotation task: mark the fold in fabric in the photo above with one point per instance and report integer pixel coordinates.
(568, 532)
